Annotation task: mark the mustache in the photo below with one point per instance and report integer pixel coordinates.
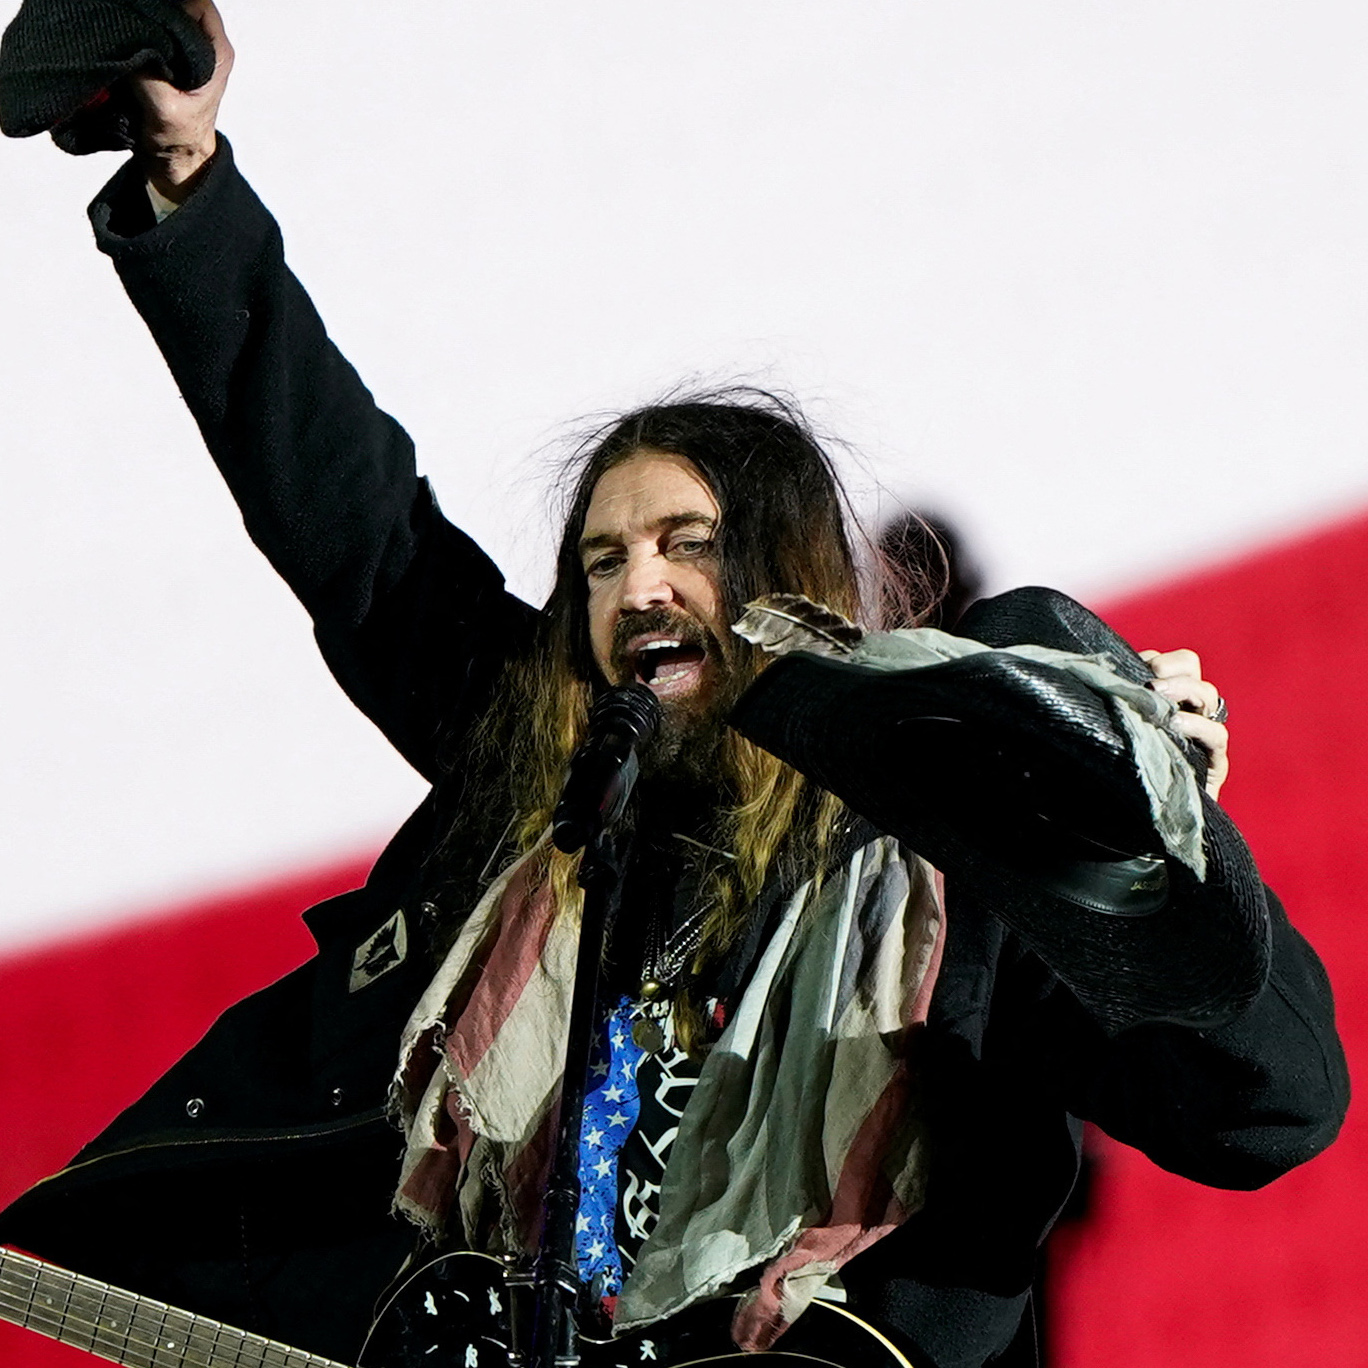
(680, 625)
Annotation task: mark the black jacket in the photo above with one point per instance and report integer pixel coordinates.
(252, 1183)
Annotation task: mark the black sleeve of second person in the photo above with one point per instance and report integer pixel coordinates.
(412, 617)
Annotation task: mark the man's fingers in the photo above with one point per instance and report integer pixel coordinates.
(1190, 693)
(207, 15)
(211, 21)
(161, 99)
(1214, 739)
(177, 138)
(1167, 664)
(1211, 736)
(1178, 676)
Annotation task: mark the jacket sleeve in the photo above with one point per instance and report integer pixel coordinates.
(410, 614)
(1232, 1106)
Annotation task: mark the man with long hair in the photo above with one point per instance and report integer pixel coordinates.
(807, 1081)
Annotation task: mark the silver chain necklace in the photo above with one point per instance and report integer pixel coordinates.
(667, 959)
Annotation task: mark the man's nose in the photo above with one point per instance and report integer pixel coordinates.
(645, 584)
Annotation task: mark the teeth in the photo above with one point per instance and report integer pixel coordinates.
(660, 645)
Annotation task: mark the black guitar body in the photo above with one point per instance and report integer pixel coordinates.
(454, 1313)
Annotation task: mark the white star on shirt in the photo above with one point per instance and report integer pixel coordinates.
(617, 1119)
(581, 1225)
(603, 1168)
(626, 1068)
(613, 1094)
(594, 1139)
(596, 1250)
(619, 1039)
(600, 1070)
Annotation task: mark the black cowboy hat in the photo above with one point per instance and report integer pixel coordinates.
(62, 64)
(1016, 781)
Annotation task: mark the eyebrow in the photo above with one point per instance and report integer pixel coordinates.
(671, 521)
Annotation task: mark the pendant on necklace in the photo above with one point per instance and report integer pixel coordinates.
(648, 1030)
(648, 1035)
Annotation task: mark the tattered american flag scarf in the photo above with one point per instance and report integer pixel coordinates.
(800, 1146)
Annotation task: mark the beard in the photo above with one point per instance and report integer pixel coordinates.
(688, 744)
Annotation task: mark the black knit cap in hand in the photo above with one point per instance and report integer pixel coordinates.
(62, 64)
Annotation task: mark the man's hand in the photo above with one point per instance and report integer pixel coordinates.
(1178, 676)
(177, 138)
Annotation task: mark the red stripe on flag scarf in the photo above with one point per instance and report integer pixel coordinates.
(527, 912)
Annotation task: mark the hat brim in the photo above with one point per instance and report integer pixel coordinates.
(1013, 779)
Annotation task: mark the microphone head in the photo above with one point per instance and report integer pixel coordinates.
(632, 706)
(604, 769)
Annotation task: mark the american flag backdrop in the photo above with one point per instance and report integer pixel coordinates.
(1085, 278)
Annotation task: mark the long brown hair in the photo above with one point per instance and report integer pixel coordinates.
(783, 528)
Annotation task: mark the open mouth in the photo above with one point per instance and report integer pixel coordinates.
(667, 665)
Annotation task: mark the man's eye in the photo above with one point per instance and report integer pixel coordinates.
(604, 565)
(692, 546)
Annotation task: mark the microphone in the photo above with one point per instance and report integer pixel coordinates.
(604, 769)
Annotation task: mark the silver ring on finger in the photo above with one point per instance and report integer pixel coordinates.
(1220, 712)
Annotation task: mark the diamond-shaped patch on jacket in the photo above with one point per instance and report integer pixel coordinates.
(379, 953)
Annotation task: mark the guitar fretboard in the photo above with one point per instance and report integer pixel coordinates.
(129, 1329)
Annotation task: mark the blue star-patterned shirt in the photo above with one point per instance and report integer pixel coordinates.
(631, 1114)
(611, 1107)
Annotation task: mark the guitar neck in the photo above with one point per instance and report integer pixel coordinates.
(127, 1328)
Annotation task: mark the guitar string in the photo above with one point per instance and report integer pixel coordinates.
(81, 1293)
(123, 1347)
(135, 1350)
(55, 1321)
(213, 1356)
(291, 1357)
(141, 1353)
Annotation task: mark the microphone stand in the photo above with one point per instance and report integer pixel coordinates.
(586, 816)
